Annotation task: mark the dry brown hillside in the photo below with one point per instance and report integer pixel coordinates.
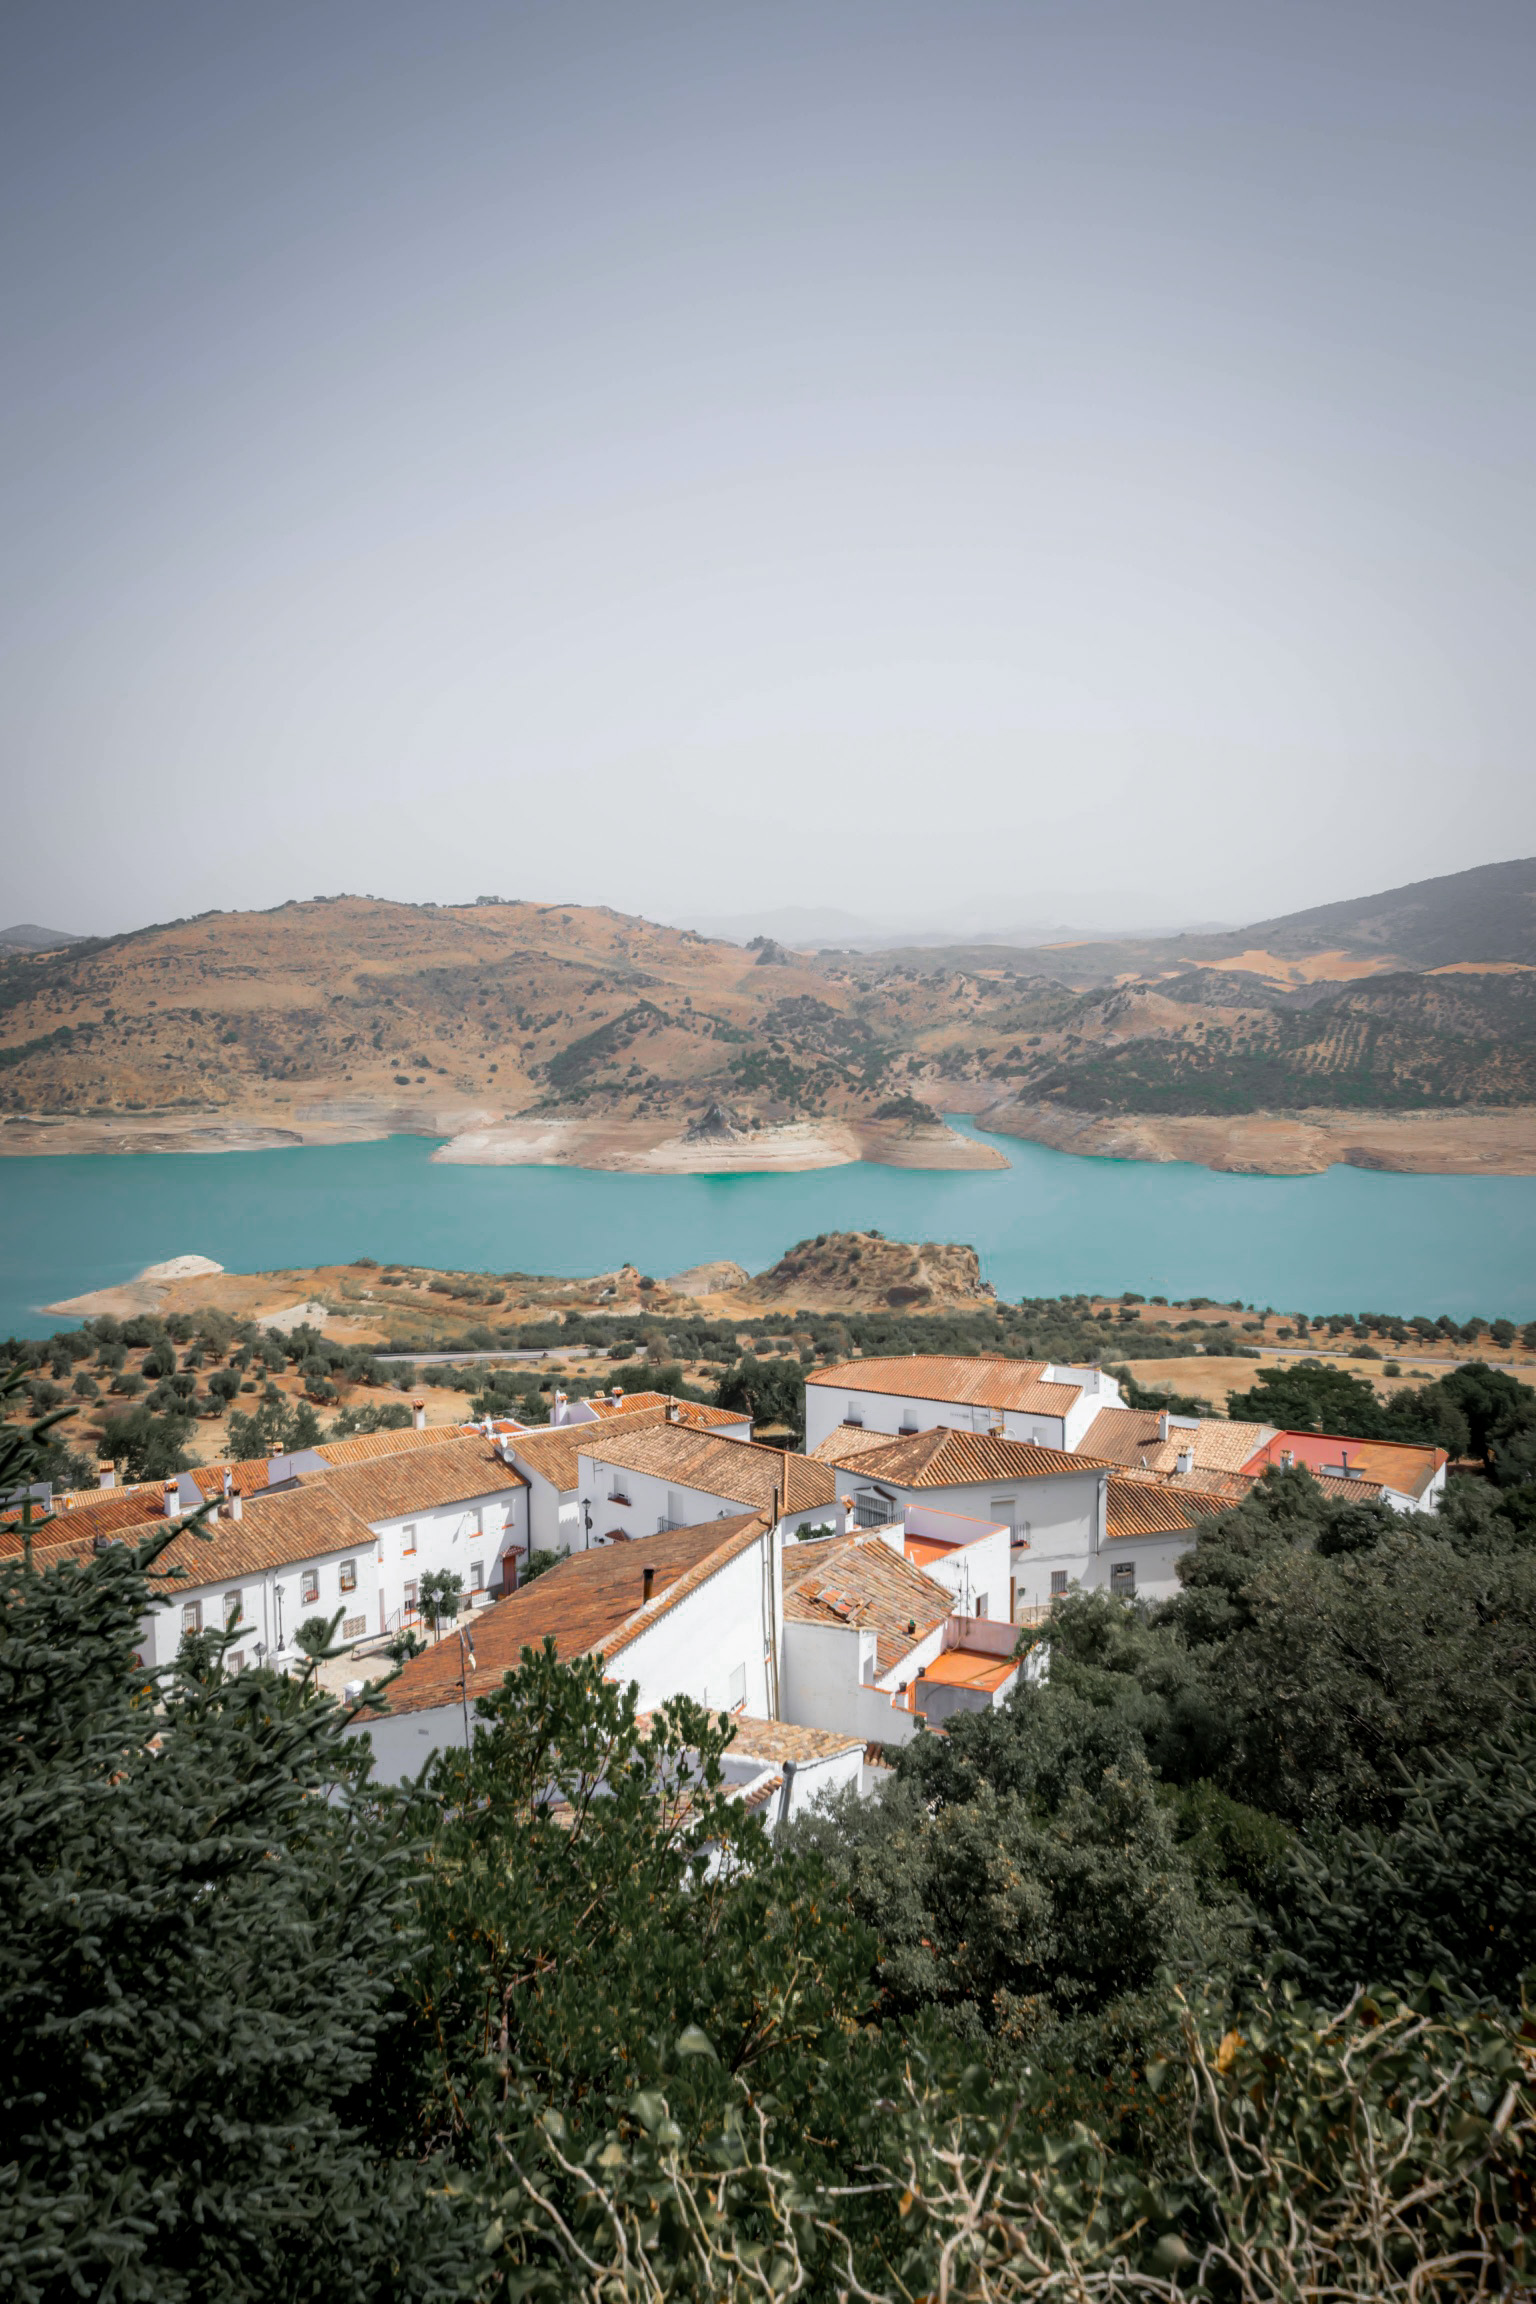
(863, 1271)
(560, 1031)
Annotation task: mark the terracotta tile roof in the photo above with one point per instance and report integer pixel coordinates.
(979, 1383)
(591, 1603)
(365, 1447)
(944, 1458)
(780, 1740)
(846, 1443)
(108, 1512)
(740, 1471)
(550, 1453)
(700, 1412)
(1129, 1436)
(393, 1487)
(1148, 1508)
(247, 1477)
(274, 1531)
(858, 1581)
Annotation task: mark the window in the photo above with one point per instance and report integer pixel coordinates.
(853, 1413)
(309, 1587)
(981, 1604)
(353, 1627)
(870, 1508)
(408, 1538)
(234, 1661)
(1058, 1583)
(234, 1609)
(410, 1596)
(1002, 1509)
(348, 1576)
(739, 1689)
(191, 1616)
(908, 1424)
(477, 1575)
(1122, 1578)
(617, 1493)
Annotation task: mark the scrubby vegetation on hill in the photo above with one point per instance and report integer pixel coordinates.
(569, 1009)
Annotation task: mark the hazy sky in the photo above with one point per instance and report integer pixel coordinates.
(1025, 461)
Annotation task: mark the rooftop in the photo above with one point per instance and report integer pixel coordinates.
(1394, 1464)
(365, 1447)
(742, 1471)
(978, 1383)
(1154, 1508)
(422, 1480)
(944, 1458)
(964, 1668)
(551, 1453)
(780, 1740)
(697, 1411)
(858, 1582)
(1130, 1436)
(592, 1603)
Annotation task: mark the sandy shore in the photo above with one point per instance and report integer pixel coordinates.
(1470, 1143)
(478, 1138)
(657, 1148)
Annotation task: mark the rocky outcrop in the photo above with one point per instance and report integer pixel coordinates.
(857, 1271)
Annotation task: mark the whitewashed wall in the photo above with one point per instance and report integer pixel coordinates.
(273, 1606)
(654, 1502)
(459, 1537)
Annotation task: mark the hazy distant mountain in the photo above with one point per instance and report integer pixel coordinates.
(811, 928)
(28, 937)
(1488, 913)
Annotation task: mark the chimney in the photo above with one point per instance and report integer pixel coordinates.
(229, 1483)
(418, 1415)
(557, 1408)
(236, 1505)
(647, 1586)
(617, 1394)
(845, 1506)
(1162, 1424)
(1186, 1460)
(173, 1500)
(106, 1475)
(1287, 1459)
(673, 1412)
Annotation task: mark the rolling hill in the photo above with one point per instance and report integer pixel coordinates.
(362, 1017)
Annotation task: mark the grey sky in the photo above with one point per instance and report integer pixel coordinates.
(951, 461)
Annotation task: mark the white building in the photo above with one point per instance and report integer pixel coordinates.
(1054, 1503)
(867, 1630)
(548, 1458)
(632, 1484)
(691, 1612)
(458, 1507)
(1026, 1400)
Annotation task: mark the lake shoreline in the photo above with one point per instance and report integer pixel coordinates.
(1478, 1141)
(1045, 1223)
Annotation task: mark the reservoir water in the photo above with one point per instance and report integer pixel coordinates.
(1050, 1223)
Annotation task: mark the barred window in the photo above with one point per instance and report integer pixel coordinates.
(349, 1576)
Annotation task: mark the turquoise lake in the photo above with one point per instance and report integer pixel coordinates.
(1052, 1222)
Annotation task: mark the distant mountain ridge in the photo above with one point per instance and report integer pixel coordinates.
(28, 937)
